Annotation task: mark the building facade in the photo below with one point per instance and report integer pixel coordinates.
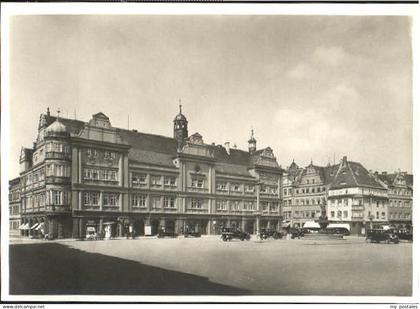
(82, 174)
(14, 205)
(357, 198)
(399, 186)
(304, 191)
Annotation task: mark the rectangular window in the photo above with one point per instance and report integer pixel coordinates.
(156, 181)
(249, 188)
(197, 183)
(155, 202)
(221, 186)
(169, 181)
(56, 197)
(138, 200)
(196, 204)
(221, 204)
(332, 214)
(236, 187)
(169, 202)
(138, 179)
(110, 199)
(345, 214)
(236, 206)
(91, 198)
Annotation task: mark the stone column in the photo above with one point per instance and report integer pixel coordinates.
(101, 225)
(75, 231)
(243, 224)
(82, 228)
(257, 224)
(60, 233)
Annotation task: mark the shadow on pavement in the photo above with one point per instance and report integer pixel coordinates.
(54, 269)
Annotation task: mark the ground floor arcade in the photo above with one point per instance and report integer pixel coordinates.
(118, 224)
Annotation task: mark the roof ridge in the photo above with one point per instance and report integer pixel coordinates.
(352, 173)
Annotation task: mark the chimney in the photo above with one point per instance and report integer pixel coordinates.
(345, 159)
(384, 173)
(227, 146)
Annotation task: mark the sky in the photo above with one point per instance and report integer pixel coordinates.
(312, 87)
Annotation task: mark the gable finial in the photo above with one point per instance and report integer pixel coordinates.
(58, 113)
(180, 106)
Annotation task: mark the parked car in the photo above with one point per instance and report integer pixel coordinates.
(338, 230)
(231, 233)
(163, 233)
(378, 235)
(91, 233)
(267, 233)
(405, 234)
(190, 233)
(296, 232)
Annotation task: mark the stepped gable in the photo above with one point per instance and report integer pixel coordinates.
(150, 148)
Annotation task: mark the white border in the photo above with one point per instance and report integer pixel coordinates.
(10, 9)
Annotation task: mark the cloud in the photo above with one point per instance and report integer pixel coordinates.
(301, 71)
(333, 55)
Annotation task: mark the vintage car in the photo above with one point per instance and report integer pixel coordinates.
(162, 233)
(231, 233)
(270, 233)
(405, 234)
(296, 232)
(91, 233)
(338, 230)
(378, 235)
(191, 233)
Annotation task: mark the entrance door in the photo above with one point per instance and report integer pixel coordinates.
(155, 227)
(138, 227)
(249, 227)
(170, 226)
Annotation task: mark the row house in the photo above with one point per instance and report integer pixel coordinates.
(80, 174)
(304, 191)
(356, 197)
(399, 187)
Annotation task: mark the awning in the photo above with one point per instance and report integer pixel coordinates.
(311, 225)
(21, 227)
(34, 226)
(26, 226)
(285, 224)
(339, 225)
(109, 223)
(40, 226)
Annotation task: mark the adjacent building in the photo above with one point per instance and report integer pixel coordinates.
(399, 187)
(356, 197)
(91, 174)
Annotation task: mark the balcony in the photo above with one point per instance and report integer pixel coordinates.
(197, 210)
(111, 208)
(357, 208)
(196, 189)
(57, 180)
(57, 155)
(58, 208)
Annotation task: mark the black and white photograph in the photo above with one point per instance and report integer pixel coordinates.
(249, 156)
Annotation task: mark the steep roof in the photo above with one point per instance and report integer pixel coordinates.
(150, 148)
(353, 174)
